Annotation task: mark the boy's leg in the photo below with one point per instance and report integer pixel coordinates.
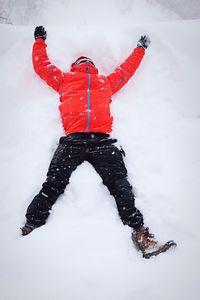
(65, 160)
(108, 162)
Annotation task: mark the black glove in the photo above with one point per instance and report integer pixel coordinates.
(40, 33)
(144, 42)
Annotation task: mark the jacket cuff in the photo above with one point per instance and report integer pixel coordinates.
(39, 41)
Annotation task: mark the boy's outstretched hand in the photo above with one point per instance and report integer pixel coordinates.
(40, 33)
(144, 42)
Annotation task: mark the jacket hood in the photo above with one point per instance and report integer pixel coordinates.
(85, 66)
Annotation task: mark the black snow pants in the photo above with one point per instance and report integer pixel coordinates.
(99, 150)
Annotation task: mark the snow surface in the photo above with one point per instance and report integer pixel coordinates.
(90, 12)
(84, 252)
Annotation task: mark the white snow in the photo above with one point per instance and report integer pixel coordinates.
(84, 252)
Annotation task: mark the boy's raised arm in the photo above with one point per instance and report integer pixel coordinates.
(41, 63)
(125, 71)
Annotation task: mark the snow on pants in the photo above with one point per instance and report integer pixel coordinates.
(99, 150)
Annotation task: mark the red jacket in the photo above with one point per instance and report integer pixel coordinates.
(85, 95)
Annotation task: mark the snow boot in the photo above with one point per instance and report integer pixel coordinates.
(145, 242)
(26, 230)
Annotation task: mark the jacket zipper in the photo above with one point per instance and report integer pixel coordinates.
(88, 99)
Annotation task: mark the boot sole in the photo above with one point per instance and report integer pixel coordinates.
(162, 249)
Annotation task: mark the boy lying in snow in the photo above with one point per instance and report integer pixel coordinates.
(85, 98)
